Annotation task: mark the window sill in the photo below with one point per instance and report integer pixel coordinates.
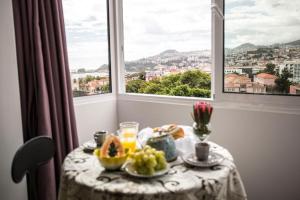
(218, 104)
(93, 99)
(161, 98)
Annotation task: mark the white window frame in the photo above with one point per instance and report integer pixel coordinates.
(248, 101)
(121, 91)
(268, 103)
(112, 96)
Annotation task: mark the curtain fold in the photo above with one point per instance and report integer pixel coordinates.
(45, 87)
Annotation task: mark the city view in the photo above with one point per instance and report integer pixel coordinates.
(168, 73)
(262, 47)
(273, 69)
(167, 47)
(167, 55)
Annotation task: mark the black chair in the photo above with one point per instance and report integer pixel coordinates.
(32, 154)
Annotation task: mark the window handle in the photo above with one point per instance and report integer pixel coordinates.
(217, 9)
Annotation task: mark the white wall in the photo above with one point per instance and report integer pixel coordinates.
(92, 116)
(265, 145)
(11, 136)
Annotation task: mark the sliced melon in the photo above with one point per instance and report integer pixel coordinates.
(111, 155)
(112, 147)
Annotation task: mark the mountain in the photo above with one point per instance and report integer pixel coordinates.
(294, 43)
(167, 52)
(245, 47)
(102, 68)
(249, 46)
(167, 57)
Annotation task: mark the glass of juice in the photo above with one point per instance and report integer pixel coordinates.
(128, 134)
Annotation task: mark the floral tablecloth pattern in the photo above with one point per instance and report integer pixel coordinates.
(83, 178)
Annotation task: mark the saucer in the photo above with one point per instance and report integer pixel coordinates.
(89, 146)
(213, 159)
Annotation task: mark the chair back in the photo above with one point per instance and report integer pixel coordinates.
(35, 152)
(30, 155)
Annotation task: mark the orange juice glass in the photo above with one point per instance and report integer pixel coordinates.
(128, 133)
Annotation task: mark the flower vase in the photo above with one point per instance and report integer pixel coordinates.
(202, 131)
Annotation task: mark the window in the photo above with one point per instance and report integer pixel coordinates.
(88, 46)
(167, 47)
(262, 47)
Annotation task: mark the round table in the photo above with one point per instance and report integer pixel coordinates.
(84, 178)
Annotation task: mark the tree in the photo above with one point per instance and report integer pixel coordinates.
(171, 81)
(270, 69)
(196, 79)
(190, 83)
(135, 86)
(105, 88)
(153, 88)
(181, 90)
(282, 82)
(142, 76)
(198, 92)
(89, 78)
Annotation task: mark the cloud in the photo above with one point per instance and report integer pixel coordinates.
(152, 26)
(86, 29)
(264, 22)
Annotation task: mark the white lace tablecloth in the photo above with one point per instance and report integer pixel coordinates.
(83, 178)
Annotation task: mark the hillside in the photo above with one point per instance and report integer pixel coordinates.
(168, 57)
(294, 43)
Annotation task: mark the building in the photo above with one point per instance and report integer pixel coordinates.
(231, 70)
(150, 75)
(238, 83)
(293, 67)
(295, 89)
(94, 86)
(75, 84)
(265, 79)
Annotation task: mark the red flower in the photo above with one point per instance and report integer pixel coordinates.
(202, 113)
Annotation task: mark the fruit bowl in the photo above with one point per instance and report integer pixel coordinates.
(130, 169)
(111, 155)
(146, 162)
(114, 163)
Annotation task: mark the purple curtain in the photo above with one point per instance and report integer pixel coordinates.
(45, 87)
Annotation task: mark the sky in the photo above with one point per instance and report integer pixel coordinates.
(261, 22)
(153, 26)
(150, 27)
(86, 30)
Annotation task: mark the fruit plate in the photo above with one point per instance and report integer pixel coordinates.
(213, 159)
(128, 168)
(89, 146)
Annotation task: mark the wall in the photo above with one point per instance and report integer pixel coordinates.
(10, 112)
(265, 145)
(91, 116)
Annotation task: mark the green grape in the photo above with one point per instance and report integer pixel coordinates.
(148, 160)
(151, 170)
(142, 170)
(158, 167)
(145, 157)
(146, 147)
(151, 162)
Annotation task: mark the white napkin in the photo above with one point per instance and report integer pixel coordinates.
(184, 145)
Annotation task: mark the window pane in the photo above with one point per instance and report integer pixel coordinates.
(88, 46)
(262, 47)
(167, 47)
